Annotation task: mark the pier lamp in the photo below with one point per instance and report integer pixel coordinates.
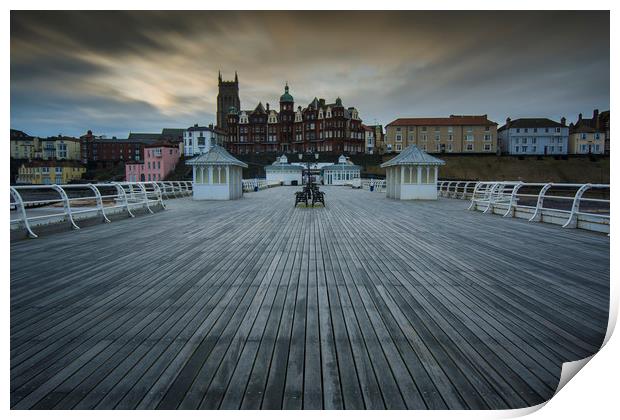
(305, 158)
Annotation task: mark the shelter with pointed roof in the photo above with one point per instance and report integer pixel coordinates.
(217, 175)
(342, 173)
(412, 175)
(283, 172)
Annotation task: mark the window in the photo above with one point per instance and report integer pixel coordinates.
(517, 149)
(469, 137)
(546, 130)
(524, 149)
(398, 129)
(469, 147)
(399, 147)
(557, 129)
(536, 130)
(423, 137)
(411, 137)
(436, 137)
(424, 129)
(518, 130)
(450, 138)
(583, 136)
(450, 129)
(534, 141)
(487, 147)
(436, 129)
(597, 147)
(533, 148)
(525, 130)
(583, 147)
(487, 137)
(597, 136)
(399, 137)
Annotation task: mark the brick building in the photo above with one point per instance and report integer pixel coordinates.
(455, 134)
(98, 149)
(320, 126)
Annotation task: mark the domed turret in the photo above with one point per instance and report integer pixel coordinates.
(286, 97)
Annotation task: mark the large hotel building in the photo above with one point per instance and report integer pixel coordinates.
(455, 134)
(319, 127)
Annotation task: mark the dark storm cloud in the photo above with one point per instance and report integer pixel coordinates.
(121, 71)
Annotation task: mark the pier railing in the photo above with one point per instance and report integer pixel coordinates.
(584, 206)
(36, 205)
(377, 185)
(257, 183)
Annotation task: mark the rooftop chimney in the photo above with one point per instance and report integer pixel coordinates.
(267, 106)
(563, 120)
(595, 119)
(508, 120)
(580, 116)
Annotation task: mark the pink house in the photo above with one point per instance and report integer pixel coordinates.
(160, 159)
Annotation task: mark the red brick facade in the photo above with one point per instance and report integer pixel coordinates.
(318, 127)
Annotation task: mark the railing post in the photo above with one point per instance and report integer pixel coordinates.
(573, 218)
(121, 192)
(19, 203)
(464, 196)
(472, 205)
(537, 216)
(157, 191)
(146, 197)
(491, 192)
(99, 202)
(513, 199)
(66, 204)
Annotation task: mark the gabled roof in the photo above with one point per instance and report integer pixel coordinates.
(144, 136)
(411, 155)
(443, 121)
(197, 127)
(172, 132)
(260, 109)
(19, 135)
(532, 123)
(216, 155)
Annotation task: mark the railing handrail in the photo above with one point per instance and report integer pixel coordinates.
(128, 196)
(508, 197)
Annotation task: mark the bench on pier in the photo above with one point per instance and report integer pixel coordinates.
(318, 197)
(301, 197)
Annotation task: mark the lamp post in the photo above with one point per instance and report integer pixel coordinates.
(305, 158)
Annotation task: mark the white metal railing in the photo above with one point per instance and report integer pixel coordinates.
(35, 205)
(377, 185)
(258, 183)
(584, 206)
(456, 189)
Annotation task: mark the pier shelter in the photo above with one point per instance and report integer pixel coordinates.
(341, 173)
(217, 175)
(283, 172)
(412, 175)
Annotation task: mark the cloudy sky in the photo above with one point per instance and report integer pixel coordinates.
(116, 72)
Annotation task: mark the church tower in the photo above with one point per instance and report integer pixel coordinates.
(227, 96)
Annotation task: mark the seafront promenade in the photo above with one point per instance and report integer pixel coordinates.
(366, 303)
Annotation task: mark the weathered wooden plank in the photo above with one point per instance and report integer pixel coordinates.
(367, 303)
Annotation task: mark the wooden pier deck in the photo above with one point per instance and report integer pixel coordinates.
(367, 303)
